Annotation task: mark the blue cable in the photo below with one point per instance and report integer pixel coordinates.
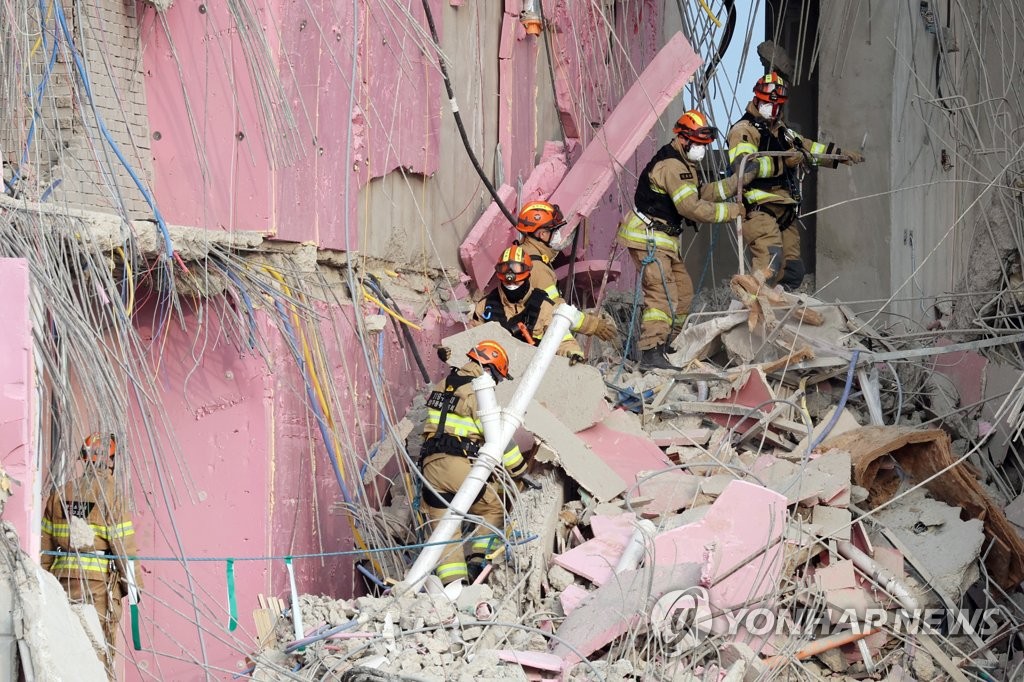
(245, 299)
(84, 75)
(842, 403)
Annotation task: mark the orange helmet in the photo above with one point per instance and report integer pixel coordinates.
(95, 444)
(491, 353)
(693, 127)
(514, 266)
(539, 214)
(771, 88)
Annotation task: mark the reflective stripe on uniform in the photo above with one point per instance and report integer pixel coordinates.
(721, 212)
(454, 424)
(759, 196)
(552, 292)
(741, 149)
(452, 571)
(80, 562)
(513, 458)
(655, 315)
(817, 148)
(63, 530)
(484, 545)
(765, 167)
(679, 320)
(683, 192)
(568, 336)
(721, 189)
(636, 234)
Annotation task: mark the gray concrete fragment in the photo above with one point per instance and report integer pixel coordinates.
(950, 550)
(574, 394)
(832, 522)
(573, 455)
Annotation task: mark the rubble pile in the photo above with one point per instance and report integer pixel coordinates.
(810, 498)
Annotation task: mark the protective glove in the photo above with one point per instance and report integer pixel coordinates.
(443, 353)
(853, 158)
(576, 358)
(741, 211)
(605, 329)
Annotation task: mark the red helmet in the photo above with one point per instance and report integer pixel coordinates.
(490, 353)
(539, 214)
(693, 127)
(96, 445)
(514, 266)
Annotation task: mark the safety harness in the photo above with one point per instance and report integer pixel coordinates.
(521, 325)
(652, 206)
(784, 215)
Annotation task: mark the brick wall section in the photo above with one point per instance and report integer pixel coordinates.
(68, 143)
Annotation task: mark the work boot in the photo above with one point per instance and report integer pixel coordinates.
(656, 357)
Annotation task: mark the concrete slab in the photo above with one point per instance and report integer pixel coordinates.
(486, 239)
(847, 422)
(573, 455)
(744, 520)
(571, 597)
(614, 145)
(832, 522)
(618, 605)
(594, 560)
(965, 368)
(532, 659)
(574, 394)
(751, 392)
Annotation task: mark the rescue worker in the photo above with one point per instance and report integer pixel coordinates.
(669, 195)
(538, 226)
(523, 310)
(452, 436)
(88, 518)
(772, 198)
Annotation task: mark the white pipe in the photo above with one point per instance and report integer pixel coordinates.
(493, 448)
(636, 546)
(879, 574)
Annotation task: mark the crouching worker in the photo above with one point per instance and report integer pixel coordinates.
(88, 519)
(522, 309)
(452, 437)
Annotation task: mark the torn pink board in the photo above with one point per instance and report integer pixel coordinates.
(754, 391)
(571, 597)
(593, 174)
(617, 606)
(546, 175)
(615, 527)
(744, 519)
(594, 560)
(627, 454)
(532, 659)
(966, 369)
(489, 236)
(588, 275)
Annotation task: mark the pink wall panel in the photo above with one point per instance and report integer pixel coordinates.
(219, 503)
(17, 452)
(517, 83)
(200, 101)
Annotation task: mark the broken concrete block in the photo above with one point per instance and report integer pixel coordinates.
(740, 539)
(847, 422)
(574, 394)
(920, 455)
(532, 659)
(950, 550)
(571, 597)
(731, 652)
(701, 340)
(572, 453)
(832, 522)
(965, 368)
(595, 559)
(751, 392)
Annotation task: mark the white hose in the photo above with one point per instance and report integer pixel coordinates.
(495, 441)
(636, 546)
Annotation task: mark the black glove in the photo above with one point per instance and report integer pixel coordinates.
(575, 358)
(443, 353)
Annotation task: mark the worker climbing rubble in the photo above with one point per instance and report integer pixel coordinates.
(773, 197)
(84, 521)
(538, 225)
(668, 196)
(452, 436)
(522, 309)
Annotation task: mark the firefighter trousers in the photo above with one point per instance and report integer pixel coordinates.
(774, 251)
(108, 608)
(668, 294)
(447, 473)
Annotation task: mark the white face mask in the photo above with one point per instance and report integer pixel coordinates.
(696, 152)
(511, 287)
(766, 110)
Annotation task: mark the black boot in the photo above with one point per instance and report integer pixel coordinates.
(656, 358)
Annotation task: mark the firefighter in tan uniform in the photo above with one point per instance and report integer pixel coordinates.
(539, 222)
(452, 436)
(88, 518)
(524, 311)
(772, 198)
(669, 194)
